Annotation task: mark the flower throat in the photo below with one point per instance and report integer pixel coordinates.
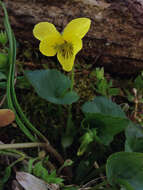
(66, 49)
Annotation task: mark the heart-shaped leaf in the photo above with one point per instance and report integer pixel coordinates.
(103, 105)
(106, 116)
(126, 168)
(52, 86)
(6, 117)
(134, 138)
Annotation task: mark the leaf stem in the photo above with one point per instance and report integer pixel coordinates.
(72, 79)
(70, 106)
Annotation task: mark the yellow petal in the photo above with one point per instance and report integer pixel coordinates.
(76, 42)
(42, 29)
(78, 27)
(67, 64)
(48, 45)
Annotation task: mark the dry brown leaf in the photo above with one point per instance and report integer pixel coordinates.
(7, 116)
(30, 182)
(16, 185)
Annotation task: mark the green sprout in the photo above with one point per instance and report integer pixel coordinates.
(3, 38)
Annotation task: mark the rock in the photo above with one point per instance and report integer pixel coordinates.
(114, 41)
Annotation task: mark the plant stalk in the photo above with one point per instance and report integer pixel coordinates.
(21, 145)
(70, 106)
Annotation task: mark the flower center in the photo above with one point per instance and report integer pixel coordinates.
(66, 49)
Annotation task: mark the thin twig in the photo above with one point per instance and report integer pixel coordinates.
(91, 183)
(21, 145)
(97, 167)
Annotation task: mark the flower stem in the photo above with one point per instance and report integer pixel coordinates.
(70, 106)
(72, 79)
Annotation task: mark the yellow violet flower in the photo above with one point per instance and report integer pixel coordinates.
(66, 45)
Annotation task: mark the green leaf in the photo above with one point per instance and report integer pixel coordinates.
(99, 73)
(138, 83)
(52, 178)
(125, 168)
(3, 60)
(42, 172)
(3, 38)
(2, 76)
(134, 138)
(102, 87)
(106, 116)
(104, 106)
(52, 86)
(7, 174)
(30, 164)
(113, 91)
(86, 139)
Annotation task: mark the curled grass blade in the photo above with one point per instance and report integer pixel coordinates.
(10, 81)
(11, 95)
